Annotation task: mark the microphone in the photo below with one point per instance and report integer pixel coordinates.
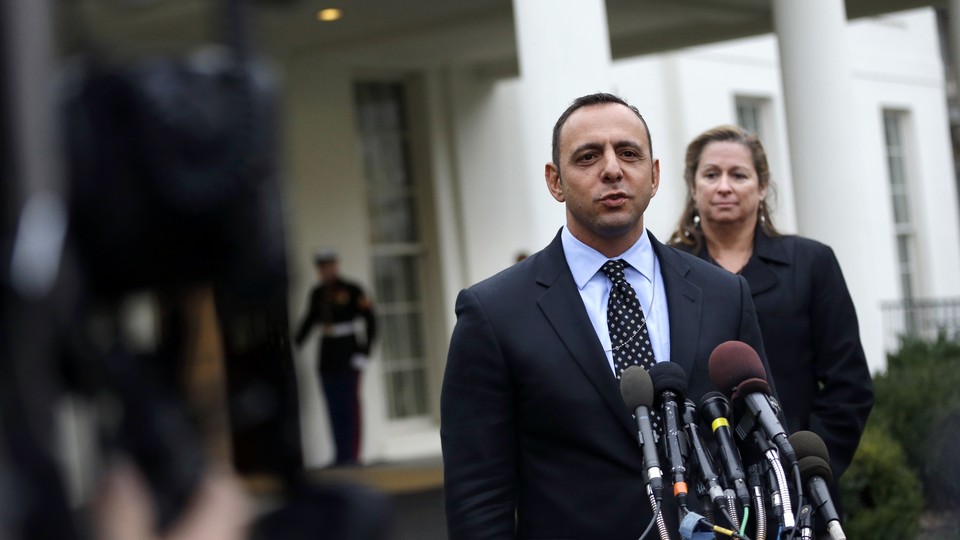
(735, 369)
(814, 464)
(636, 387)
(699, 457)
(716, 410)
(669, 385)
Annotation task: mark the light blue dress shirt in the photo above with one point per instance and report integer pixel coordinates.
(643, 274)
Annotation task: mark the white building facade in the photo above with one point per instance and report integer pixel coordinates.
(427, 174)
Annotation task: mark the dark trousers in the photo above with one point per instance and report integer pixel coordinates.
(343, 407)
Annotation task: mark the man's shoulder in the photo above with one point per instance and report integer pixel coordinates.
(520, 279)
(352, 288)
(347, 283)
(512, 276)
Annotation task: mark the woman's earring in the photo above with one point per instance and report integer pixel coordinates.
(696, 220)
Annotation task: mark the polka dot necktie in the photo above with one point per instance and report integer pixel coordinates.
(626, 322)
(627, 325)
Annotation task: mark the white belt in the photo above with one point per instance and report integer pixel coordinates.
(339, 330)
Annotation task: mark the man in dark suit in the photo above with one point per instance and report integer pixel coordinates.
(537, 442)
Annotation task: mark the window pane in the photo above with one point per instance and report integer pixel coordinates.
(392, 218)
(901, 213)
(392, 206)
(750, 114)
(406, 392)
(396, 279)
(402, 343)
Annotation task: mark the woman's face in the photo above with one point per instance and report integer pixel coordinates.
(726, 188)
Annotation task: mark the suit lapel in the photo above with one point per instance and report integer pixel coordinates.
(684, 305)
(758, 271)
(562, 306)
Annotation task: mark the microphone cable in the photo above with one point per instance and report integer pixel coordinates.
(656, 519)
(692, 519)
(800, 497)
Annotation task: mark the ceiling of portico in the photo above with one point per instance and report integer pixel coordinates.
(419, 32)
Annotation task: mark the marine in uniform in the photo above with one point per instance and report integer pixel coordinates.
(337, 306)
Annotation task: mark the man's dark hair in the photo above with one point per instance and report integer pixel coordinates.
(599, 98)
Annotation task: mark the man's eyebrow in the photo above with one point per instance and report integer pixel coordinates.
(625, 143)
(586, 146)
(628, 143)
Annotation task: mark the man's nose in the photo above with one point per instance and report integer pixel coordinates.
(611, 167)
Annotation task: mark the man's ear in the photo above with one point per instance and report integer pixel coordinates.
(656, 177)
(552, 175)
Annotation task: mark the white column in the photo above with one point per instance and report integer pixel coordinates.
(563, 48)
(818, 90)
(831, 197)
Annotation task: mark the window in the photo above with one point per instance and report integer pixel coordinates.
(752, 114)
(893, 129)
(396, 244)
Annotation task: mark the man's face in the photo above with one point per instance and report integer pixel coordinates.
(327, 271)
(605, 177)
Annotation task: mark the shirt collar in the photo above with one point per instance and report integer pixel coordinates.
(585, 262)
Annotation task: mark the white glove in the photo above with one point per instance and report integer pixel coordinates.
(359, 361)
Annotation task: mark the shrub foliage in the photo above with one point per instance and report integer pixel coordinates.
(881, 494)
(911, 444)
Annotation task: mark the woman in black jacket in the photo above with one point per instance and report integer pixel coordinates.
(806, 315)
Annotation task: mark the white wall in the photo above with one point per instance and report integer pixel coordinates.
(490, 169)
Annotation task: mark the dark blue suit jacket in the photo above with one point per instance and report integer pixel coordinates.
(537, 442)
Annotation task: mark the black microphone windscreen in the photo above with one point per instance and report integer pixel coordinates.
(732, 363)
(714, 405)
(668, 376)
(636, 388)
(813, 456)
(808, 443)
(811, 466)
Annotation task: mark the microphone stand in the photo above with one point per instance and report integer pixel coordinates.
(805, 523)
(753, 480)
(658, 515)
(782, 491)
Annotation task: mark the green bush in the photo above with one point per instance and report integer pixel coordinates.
(918, 401)
(880, 493)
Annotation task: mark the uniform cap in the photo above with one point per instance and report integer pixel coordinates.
(324, 256)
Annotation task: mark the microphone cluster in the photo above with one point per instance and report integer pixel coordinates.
(729, 457)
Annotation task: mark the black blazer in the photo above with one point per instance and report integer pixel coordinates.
(537, 442)
(812, 340)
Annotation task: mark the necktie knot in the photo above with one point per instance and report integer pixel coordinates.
(614, 270)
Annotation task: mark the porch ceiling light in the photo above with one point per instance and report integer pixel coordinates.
(329, 14)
